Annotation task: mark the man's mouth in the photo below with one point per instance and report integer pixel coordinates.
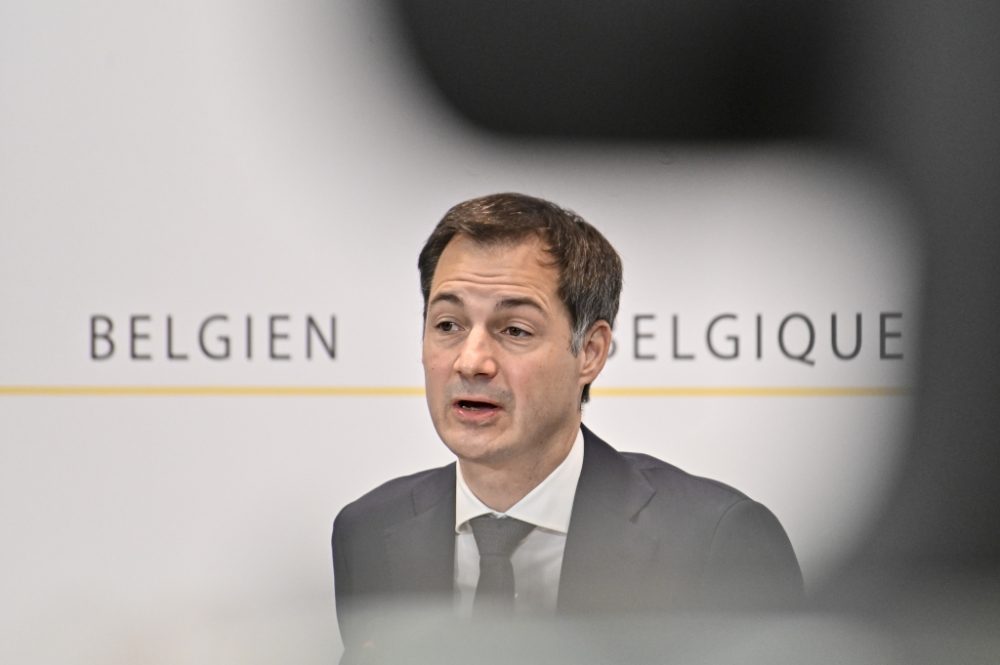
(475, 405)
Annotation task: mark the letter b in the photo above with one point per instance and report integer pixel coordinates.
(103, 335)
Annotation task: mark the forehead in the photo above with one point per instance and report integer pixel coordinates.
(523, 264)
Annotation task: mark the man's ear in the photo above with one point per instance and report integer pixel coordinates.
(594, 351)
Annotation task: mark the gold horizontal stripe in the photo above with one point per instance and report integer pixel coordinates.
(207, 391)
(752, 391)
(413, 391)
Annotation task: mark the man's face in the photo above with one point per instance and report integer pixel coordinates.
(503, 386)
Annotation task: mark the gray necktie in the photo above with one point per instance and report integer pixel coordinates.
(496, 539)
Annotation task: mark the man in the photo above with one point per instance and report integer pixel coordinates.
(519, 300)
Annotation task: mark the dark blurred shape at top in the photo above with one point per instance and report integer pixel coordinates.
(915, 88)
(721, 70)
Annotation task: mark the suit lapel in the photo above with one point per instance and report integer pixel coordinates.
(607, 554)
(421, 549)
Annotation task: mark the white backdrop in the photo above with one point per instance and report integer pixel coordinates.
(264, 159)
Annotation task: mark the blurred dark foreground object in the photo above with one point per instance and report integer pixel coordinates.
(643, 68)
(912, 87)
(422, 636)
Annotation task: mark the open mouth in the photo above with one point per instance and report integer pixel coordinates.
(475, 405)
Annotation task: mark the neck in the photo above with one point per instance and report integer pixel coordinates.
(501, 485)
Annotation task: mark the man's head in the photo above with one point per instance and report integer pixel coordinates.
(519, 297)
(589, 269)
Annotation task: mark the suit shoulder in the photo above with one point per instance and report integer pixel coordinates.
(392, 499)
(675, 489)
(680, 484)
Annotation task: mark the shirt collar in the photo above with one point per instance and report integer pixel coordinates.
(548, 506)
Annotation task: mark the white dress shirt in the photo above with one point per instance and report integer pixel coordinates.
(537, 561)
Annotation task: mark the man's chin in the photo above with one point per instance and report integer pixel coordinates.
(476, 447)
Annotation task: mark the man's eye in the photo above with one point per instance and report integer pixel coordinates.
(514, 331)
(447, 326)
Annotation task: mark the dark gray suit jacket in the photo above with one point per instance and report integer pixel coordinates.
(643, 536)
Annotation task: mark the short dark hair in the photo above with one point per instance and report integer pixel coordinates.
(590, 270)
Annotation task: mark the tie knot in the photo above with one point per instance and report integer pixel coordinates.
(498, 536)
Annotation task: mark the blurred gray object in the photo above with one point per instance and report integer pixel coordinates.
(913, 87)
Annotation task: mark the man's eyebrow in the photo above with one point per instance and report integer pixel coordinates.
(513, 302)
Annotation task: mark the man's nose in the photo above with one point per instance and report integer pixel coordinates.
(476, 356)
